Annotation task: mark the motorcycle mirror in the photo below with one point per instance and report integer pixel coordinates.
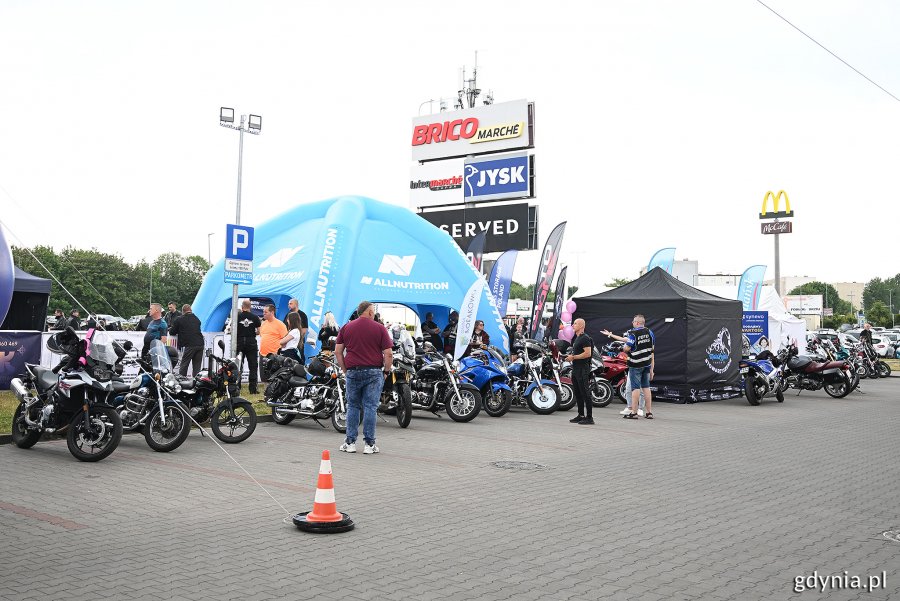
(221, 344)
(127, 345)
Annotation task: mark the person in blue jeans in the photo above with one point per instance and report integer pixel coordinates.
(363, 352)
(639, 345)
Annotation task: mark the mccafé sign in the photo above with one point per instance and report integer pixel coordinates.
(495, 127)
(777, 227)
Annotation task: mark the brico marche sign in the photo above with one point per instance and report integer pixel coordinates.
(504, 126)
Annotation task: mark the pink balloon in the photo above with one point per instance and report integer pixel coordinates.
(568, 333)
(566, 317)
(571, 306)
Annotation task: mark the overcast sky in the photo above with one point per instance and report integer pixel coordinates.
(658, 123)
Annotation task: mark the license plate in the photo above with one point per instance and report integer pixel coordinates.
(745, 370)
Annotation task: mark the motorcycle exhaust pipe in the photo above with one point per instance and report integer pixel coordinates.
(19, 389)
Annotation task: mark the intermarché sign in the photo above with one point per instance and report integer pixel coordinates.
(777, 227)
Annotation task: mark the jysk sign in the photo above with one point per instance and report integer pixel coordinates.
(480, 130)
(506, 225)
(498, 178)
(238, 254)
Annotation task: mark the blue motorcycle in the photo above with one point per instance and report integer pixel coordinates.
(486, 369)
(763, 375)
(540, 395)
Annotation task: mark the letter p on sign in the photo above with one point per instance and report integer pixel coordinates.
(239, 242)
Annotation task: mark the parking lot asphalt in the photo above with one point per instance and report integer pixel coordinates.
(715, 500)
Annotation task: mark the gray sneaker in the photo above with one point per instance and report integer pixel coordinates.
(371, 449)
(349, 447)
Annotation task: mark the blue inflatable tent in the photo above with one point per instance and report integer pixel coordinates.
(335, 253)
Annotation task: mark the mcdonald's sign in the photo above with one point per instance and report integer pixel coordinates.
(776, 200)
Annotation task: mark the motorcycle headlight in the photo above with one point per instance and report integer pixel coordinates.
(455, 365)
(170, 381)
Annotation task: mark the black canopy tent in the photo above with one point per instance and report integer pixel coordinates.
(28, 308)
(698, 335)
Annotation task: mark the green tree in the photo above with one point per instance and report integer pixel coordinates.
(571, 290)
(616, 282)
(831, 298)
(878, 314)
(887, 291)
(517, 290)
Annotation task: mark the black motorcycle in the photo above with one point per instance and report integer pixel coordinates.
(396, 395)
(316, 392)
(437, 385)
(73, 396)
(214, 395)
(149, 405)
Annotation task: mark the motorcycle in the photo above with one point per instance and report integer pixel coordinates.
(486, 369)
(600, 389)
(437, 385)
(803, 373)
(762, 375)
(832, 353)
(612, 366)
(215, 396)
(396, 395)
(72, 396)
(315, 393)
(149, 405)
(540, 395)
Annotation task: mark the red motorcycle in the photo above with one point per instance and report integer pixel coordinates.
(615, 371)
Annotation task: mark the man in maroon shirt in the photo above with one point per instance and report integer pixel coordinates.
(363, 352)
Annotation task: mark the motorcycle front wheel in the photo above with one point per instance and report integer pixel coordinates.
(543, 403)
(21, 435)
(465, 407)
(601, 391)
(169, 436)
(97, 439)
(339, 419)
(566, 397)
(403, 396)
(620, 391)
(233, 424)
(497, 402)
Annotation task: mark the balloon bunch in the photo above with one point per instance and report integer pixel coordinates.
(568, 332)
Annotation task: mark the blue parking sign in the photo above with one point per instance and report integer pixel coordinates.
(239, 242)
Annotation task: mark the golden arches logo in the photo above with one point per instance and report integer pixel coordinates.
(776, 200)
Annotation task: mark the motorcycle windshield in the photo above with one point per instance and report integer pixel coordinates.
(159, 357)
(407, 345)
(100, 347)
(496, 355)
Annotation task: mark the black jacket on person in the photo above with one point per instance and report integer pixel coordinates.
(171, 317)
(187, 328)
(74, 322)
(60, 323)
(142, 324)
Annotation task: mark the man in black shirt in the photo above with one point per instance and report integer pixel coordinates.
(172, 315)
(580, 356)
(190, 340)
(247, 329)
(431, 332)
(294, 307)
(74, 320)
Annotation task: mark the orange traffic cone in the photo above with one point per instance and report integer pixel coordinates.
(324, 517)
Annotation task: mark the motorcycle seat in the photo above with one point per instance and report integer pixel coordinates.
(185, 381)
(295, 381)
(119, 386)
(45, 377)
(798, 363)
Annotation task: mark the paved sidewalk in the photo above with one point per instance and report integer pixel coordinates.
(709, 501)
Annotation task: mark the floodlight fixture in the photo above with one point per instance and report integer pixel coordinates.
(226, 115)
(255, 123)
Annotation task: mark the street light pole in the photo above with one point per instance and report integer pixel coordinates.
(253, 126)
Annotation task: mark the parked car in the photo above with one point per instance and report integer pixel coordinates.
(882, 345)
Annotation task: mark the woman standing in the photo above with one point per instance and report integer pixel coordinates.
(291, 340)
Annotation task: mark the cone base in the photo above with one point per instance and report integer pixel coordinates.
(345, 525)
